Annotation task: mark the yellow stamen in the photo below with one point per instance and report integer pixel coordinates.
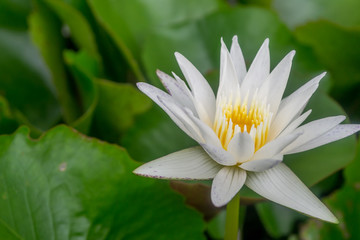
(234, 115)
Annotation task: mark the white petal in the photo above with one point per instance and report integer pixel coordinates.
(292, 106)
(219, 154)
(154, 93)
(274, 86)
(258, 71)
(294, 124)
(203, 94)
(190, 163)
(242, 147)
(178, 91)
(229, 83)
(179, 113)
(336, 133)
(238, 59)
(226, 185)
(207, 133)
(262, 164)
(269, 150)
(281, 185)
(313, 130)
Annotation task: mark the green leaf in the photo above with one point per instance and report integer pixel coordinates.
(80, 29)
(8, 122)
(277, 220)
(118, 104)
(129, 23)
(216, 226)
(24, 77)
(352, 171)
(336, 47)
(45, 31)
(345, 204)
(84, 68)
(67, 186)
(133, 21)
(156, 135)
(297, 12)
(13, 14)
(116, 28)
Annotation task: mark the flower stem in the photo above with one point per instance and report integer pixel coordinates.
(232, 219)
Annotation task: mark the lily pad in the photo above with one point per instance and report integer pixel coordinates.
(68, 186)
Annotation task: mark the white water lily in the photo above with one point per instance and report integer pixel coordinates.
(245, 131)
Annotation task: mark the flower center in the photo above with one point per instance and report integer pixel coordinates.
(234, 115)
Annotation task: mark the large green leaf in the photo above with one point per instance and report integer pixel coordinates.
(68, 186)
(24, 77)
(298, 12)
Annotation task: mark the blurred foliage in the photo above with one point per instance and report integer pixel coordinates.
(75, 62)
(345, 203)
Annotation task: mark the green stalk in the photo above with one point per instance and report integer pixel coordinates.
(232, 219)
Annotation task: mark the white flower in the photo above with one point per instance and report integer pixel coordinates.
(245, 131)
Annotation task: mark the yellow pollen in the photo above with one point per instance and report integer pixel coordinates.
(234, 116)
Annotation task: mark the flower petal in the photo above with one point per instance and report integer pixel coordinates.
(226, 185)
(178, 91)
(292, 106)
(258, 71)
(294, 124)
(238, 59)
(219, 154)
(189, 127)
(336, 133)
(274, 86)
(203, 94)
(207, 133)
(262, 164)
(156, 94)
(313, 130)
(242, 147)
(281, 185)
(273, 148)
(190, 163)
(229, 83)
